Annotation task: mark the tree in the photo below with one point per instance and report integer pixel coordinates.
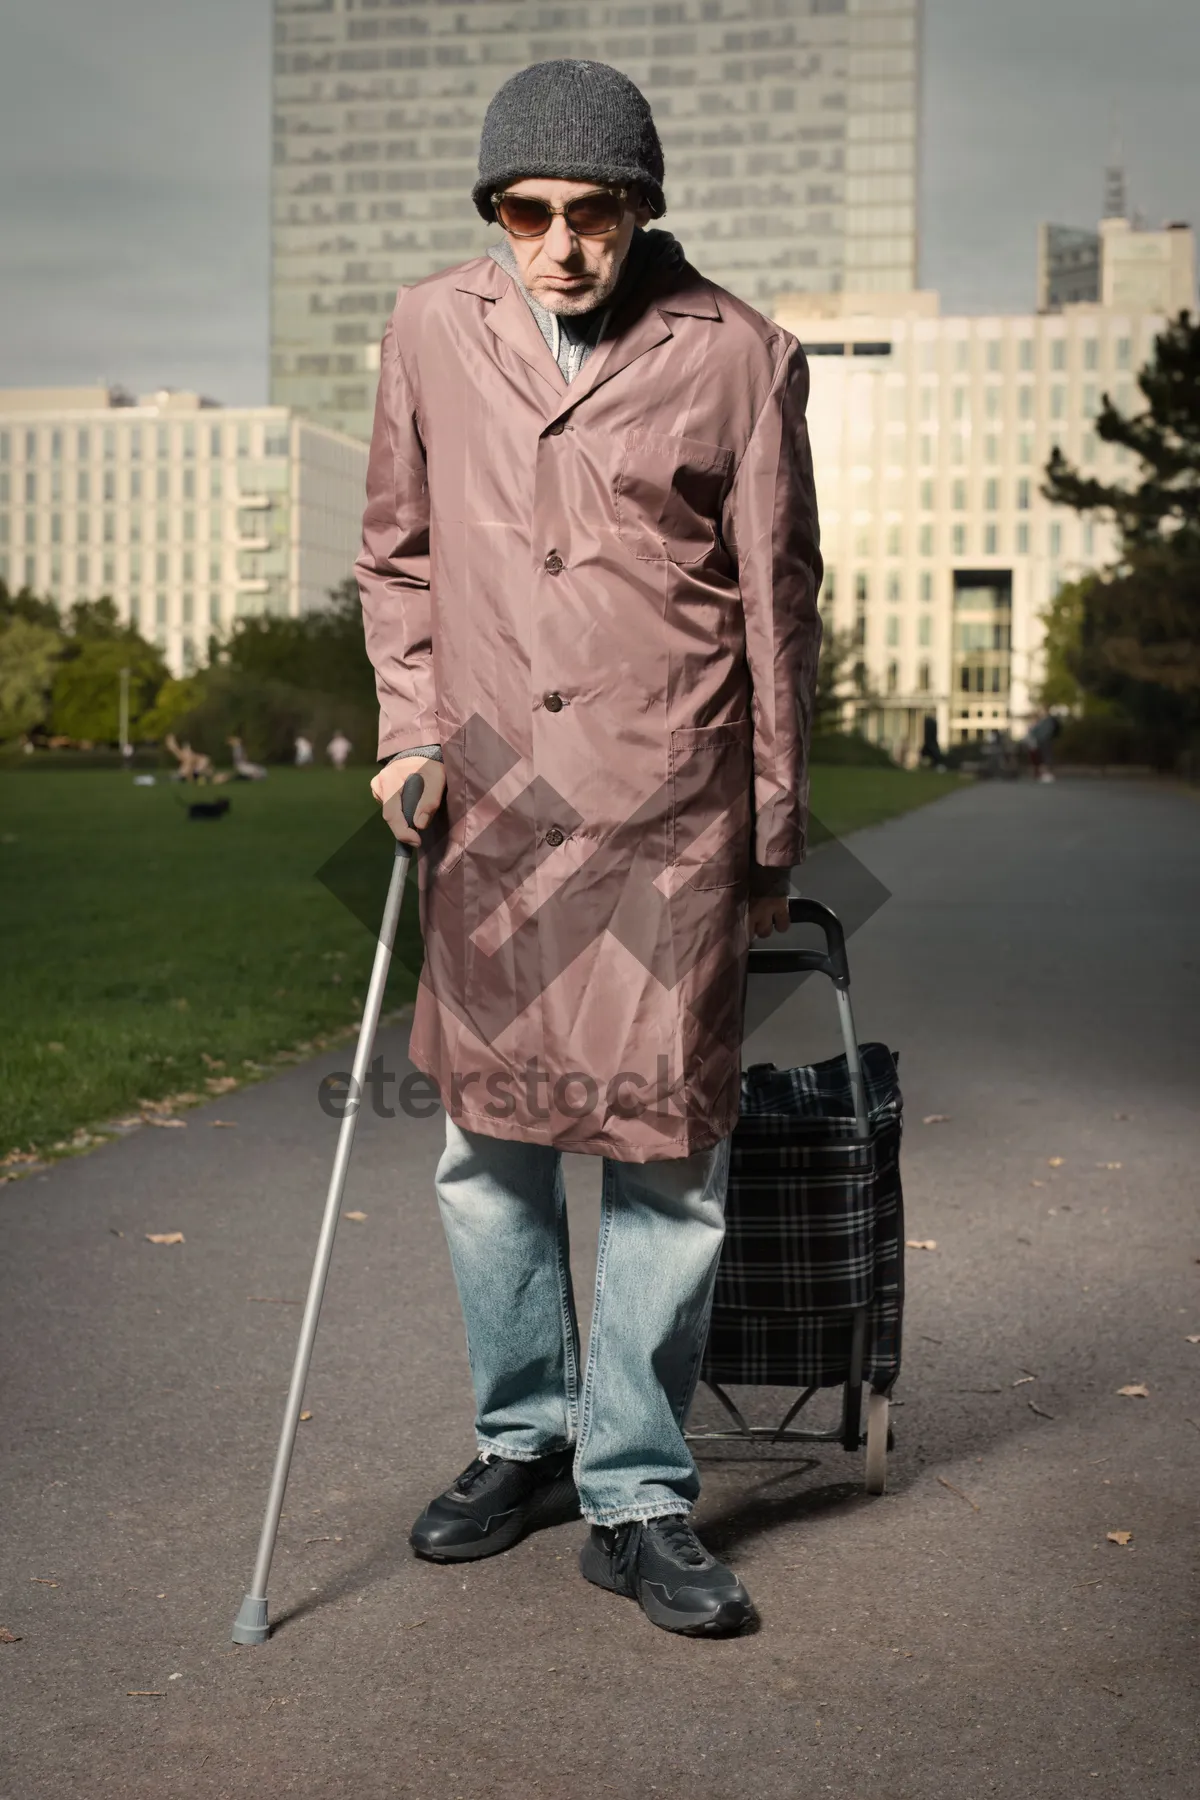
(85, 702)
(25, 605)
(1137, 634)
(29, 657)
(842, 678)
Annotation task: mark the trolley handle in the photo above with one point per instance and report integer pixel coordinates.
(790, 960)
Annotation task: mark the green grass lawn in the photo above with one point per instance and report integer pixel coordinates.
(143, 949)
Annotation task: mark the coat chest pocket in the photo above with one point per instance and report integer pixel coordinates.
(669, 494)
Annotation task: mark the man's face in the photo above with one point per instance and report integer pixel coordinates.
(564, 273)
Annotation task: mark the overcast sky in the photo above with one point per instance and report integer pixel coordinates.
(134, 148)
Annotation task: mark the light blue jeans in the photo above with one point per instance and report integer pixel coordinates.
(503, 1204)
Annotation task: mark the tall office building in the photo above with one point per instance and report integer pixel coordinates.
(789, 128)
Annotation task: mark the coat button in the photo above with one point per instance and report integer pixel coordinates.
(554, 837)
(553, 703)
(557, 429)
(553, 563)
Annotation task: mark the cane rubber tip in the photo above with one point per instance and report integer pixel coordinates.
(250, 1626)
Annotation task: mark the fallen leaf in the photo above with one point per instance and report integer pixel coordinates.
(220, 1084)
(165, 1237)
(42, 1581)
(957, 1490)
(1193, 1337)
(9, 1637)
(1108, 1165)
(1056, 1162)
(224, 1124)
(178, 1677)
(1037, 1184)
(145, 1693)
(1109, 1690)
(1040, 1411)
(304, 1417)
(1135, 1390)
(1022, 1379)
(414, 1625)
(1119, 1537)
(936, 1119)
(166, 1124)
(358, 1217)
(920, 1243)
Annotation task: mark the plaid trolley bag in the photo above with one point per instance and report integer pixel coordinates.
(809, 1292)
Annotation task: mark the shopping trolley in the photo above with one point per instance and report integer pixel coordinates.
(809, 1292)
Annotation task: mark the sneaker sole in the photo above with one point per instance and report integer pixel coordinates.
(730, 1618)
(558, 1505)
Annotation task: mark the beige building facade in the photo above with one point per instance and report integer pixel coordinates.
(930, 439)
(189, 515)
(789, 129)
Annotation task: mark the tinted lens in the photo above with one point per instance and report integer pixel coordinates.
(524, 218)
(594, 214)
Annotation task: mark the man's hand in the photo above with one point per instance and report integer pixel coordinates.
(768, 913)
(388, 785)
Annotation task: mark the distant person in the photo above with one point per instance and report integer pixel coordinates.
(1037, 741)
(243, 768)
(304, 752)
(931, 751)
(338, 749)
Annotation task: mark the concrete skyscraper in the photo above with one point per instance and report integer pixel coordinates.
(789, 127)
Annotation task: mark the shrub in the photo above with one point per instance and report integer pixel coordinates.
(848, 748)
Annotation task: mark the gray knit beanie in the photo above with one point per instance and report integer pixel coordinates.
(575, 121)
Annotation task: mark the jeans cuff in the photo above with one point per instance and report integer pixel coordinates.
(505, 1452)
(611, 1516)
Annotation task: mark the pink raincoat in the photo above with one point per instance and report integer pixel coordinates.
(600, 599)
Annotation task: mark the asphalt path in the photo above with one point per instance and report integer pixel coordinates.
(975, 1632)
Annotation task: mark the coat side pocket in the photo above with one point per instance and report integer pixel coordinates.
(710, 805)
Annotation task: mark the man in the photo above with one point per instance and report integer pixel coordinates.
(589, 583)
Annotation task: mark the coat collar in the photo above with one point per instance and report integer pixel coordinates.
(638, 325)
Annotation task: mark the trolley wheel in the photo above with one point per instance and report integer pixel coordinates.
(878, 1443)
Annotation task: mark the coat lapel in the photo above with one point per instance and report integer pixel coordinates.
(510, 319)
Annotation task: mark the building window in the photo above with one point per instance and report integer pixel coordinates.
(1023, 491)
(110, 484)
(1091, 353)
(990, 540)
(960, 403)
(991, 448)
(1058, 402)
(962, 354)
(923, 677)
(958, 496)
(214, 440)
(189, 526)
(82, 528)
(135, 484)
(110, 444)
(110, 528)
(1025, 402)
(189, 484)
(893, 677)
(81, 569)
(187, 606)
(163, 443)
(1022, 539)
(1089, 538)
(214, 609)
(860, 588)
(994, 350)
(31, 446)
(56, 441)
(959, 540)
(83, 486)
(927, 496)
(5, 446)
(991, 494)
(958, 448)
(927, 584)
(160, 526)
(30, 488)
(893, 631)
(1056, 539)
(862, 541)
(1124, 352)
(925, 540)
(925, 631)
(160, 566)
(276, 443)
(894, 541)
(135, 444)
(160, 609)
(55, 529)
(1025, 448)
(1058, 353)
(993, 403)
(893, 585)
(1025, 353)
(927, 454)
(830, 586)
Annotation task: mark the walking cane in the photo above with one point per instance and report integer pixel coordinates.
(250, 1626)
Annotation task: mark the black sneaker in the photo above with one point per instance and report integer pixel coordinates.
(493, 1505)
(666, 1569)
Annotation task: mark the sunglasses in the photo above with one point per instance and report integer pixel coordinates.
(592, 215)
